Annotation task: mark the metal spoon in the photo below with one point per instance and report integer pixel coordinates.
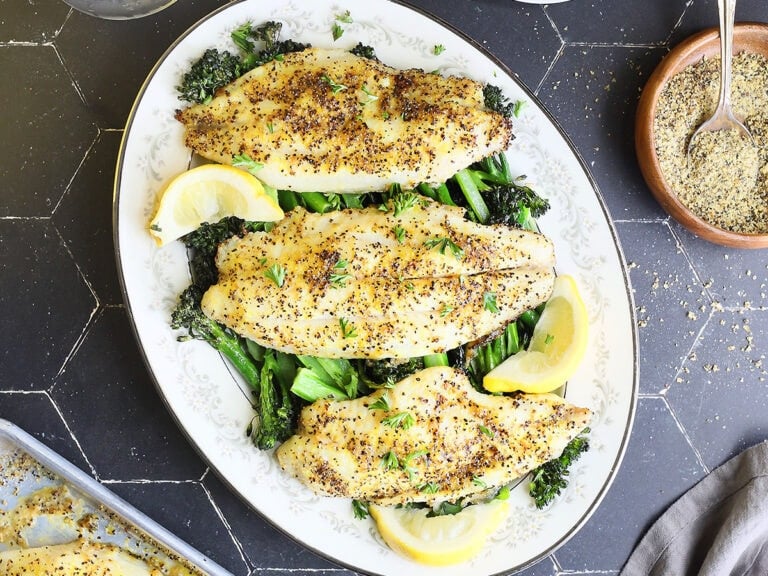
(723, 118)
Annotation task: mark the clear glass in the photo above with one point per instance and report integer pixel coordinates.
(119, 9)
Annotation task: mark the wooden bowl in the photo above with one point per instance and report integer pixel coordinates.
(747, 37)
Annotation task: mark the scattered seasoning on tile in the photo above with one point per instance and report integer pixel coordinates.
(725, 179)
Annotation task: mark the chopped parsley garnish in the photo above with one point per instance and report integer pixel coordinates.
(447, 309)
(336, 31)
(489, 302)
(406, 463)
(390, 461)
(381, 404)
(445, 243)
(276, 273)
(429, 487)
(369, 96)
(335, 87)
(402, 420)
(438, 49)
(360, 509)
(338, 279)
(399, 234)
(477, 481)
(245, 161)
(487, 431)
(347, 330)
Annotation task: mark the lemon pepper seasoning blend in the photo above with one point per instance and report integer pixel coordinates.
(724, 180)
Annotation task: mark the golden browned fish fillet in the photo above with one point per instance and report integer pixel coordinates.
(80, 558)
(372, 284)
(329, 121)
(460, 441)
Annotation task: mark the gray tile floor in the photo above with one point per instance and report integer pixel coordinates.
(70, 370)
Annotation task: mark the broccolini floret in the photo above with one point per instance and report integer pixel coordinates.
(495, 100)
(214, 69)
(204, 242)
(364, 51)
(492, 194)
(551, 478)
(275, 411)
(269, 34)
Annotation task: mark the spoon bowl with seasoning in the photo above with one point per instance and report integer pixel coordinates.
(723, 118)
(737, 216)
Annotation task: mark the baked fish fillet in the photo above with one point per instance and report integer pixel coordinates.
(372, 284)
(460, 442)
(329, 121)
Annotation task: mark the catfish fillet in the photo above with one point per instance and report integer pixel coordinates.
(458, 436)
(347, 284)
(329, 121)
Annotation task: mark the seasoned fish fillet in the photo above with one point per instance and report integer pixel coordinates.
(457, 437)
(79, 558)
(329, 121)
(372, 284)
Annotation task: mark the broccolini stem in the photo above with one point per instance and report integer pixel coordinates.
(438, 359)
(529, 319)
(288, 200)
(316, 202)
(472, 194)
(234, 349)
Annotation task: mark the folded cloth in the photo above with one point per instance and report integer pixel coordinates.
(718, 528)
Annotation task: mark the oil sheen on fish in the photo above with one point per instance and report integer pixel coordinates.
(326, 120)
(368, 283)
(459, 441)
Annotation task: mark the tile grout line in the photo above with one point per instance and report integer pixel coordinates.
(236, 541)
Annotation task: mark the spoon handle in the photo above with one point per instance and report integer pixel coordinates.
(727, 10)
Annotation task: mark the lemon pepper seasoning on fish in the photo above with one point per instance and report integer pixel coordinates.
(326, 120)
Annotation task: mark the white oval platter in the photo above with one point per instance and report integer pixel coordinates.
(211, 405)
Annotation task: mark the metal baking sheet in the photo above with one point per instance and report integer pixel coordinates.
(27, 467)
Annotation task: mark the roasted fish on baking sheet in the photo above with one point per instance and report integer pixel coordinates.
(368, 283)
(457, 440)
(326, 120)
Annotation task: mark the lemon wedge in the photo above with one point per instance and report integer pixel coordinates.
(439, 540)
(209, 193)
(557, 346)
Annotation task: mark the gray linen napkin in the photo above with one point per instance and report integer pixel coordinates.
(718, 528)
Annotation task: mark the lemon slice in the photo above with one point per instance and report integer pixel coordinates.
(209, 193)
(557, 346)
(439, 540)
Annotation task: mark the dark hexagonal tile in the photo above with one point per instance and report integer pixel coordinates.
(126, 432)
(36, 414)
(44, 303)
(545, 567)
(46, 130)
(265, 546)
(84, 218)
(121, 54)
(33, 20)
(593, 92)
(658, 468)
(671, 304)
(734, 278)
(507, 30)
(602, 22)
(727, 368)
(169, 504)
